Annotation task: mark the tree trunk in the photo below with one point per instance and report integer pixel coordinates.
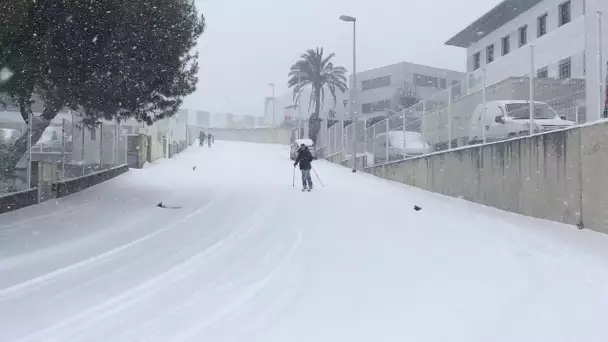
(39, 125)
(314, 122)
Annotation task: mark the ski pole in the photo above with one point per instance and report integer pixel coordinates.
(316, 174)
(293, 179)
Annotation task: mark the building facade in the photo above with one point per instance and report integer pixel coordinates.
(559, 39)
(399, 86)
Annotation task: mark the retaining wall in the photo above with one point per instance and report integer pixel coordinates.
(70, 186)
(259, 135)
(560, 176)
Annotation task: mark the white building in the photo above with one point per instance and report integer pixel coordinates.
(401, 85)
(285, 109)
(565, 35)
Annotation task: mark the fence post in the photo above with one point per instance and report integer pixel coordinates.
(82, 148)
(450, 118)
(423, 123)
(374, 141)
(532, 71)
(101, 146)
(600, 64)
(387, 140)
(114, 146)
(482, 121)
(30, 127)
(404, 131)
(63, 148)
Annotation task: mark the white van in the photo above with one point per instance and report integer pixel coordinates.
(507, 119)
(400, 145)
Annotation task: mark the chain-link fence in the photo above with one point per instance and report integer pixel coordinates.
(532, 98)
(75, 149)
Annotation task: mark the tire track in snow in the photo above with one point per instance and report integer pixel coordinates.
(208, 289)
(29, 285)
(134, 295)
(252, 291)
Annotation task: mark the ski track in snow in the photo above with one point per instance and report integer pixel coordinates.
(249, 258)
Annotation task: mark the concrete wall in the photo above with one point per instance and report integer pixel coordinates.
(560, 176)
(259, 135)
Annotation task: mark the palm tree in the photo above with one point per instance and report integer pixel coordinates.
(318, 72)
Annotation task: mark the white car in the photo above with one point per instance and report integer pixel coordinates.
(295, 145)
(507, 119)
(400, 145)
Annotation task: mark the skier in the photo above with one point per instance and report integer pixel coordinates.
(305, 159)
(202, 138)
(209, 137)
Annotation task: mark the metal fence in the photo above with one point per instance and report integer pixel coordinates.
(76, 150)
(472, 112)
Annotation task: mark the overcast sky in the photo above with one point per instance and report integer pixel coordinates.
(249, 43)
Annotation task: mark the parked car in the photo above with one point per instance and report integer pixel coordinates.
(400, 145)
(295, 145)
(507, 119)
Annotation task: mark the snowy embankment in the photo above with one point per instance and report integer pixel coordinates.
(247, 257)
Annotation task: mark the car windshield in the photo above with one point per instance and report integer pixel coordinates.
(522, 111)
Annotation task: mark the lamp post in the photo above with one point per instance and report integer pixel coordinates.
(353, 101)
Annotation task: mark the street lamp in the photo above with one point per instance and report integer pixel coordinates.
(353, 20)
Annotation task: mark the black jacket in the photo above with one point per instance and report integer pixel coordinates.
(304, 159)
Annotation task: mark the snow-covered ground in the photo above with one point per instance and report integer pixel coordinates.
(249, 258)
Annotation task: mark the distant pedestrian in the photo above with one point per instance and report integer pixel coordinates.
(202, 138)
(209, 138)
(305, 160)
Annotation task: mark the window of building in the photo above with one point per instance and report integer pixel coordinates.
(543, 72)
(523, 35)
(477, 61)
(542, 25)
(565, 68)
(506, 45)
(490, 53)
(372, 107)
(375, 83)
(93, 134)
(565, 13)
(426, 81)
(443, 83)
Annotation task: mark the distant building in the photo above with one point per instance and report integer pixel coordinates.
(398, 86)
(203, 119)
(249, 121)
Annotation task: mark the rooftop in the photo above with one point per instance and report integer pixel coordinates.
(492, 20)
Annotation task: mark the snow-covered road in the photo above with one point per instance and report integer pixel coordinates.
(249, 258)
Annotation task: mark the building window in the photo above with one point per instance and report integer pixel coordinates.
(372, 107)
(542, 25)
(374, 83)
(565, 14)
(93, 134)
(443, 83)
(565, 68)
(523, 35)
(543, 72)
(426, 81)
(506, 45)
(477, 61)
(490, 54)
